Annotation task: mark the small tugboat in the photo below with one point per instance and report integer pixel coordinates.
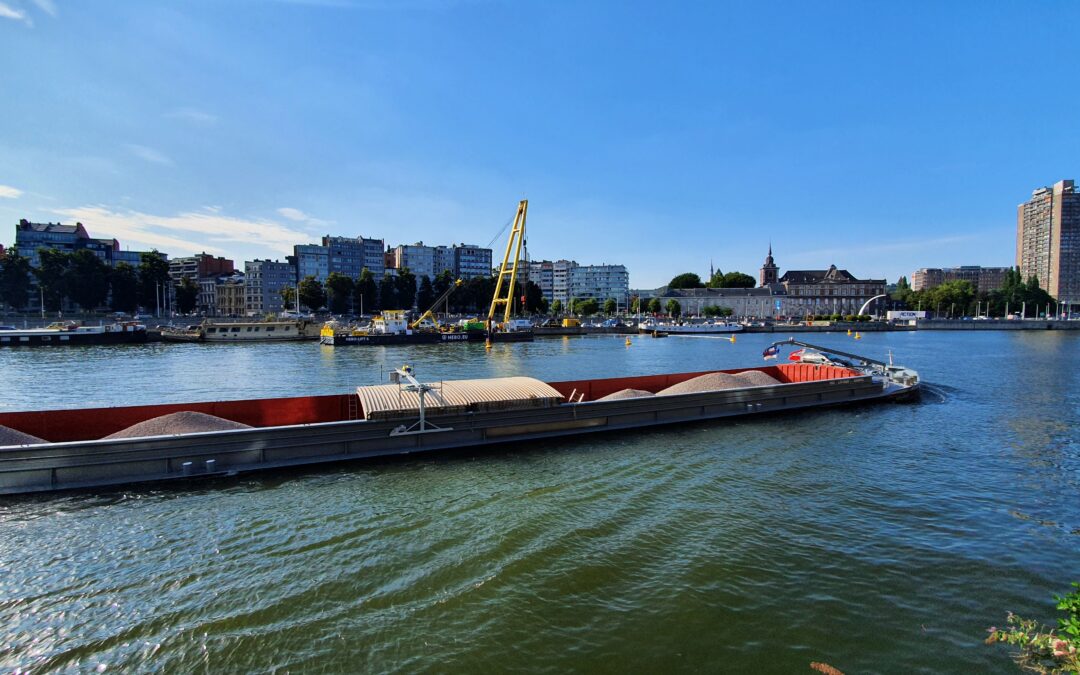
(66, 333)
(65, 449)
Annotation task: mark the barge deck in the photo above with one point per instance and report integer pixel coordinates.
(316, 429)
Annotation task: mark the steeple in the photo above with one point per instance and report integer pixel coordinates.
(770, 272)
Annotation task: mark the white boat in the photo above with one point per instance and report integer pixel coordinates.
(689, 328)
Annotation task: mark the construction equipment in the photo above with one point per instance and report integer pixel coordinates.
(430, 313)
(504, 290)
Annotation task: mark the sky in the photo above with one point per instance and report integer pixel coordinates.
(879, 137)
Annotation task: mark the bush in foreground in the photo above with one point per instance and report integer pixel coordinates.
(1043, 649)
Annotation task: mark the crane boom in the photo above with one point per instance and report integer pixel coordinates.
(505, 297)
(431, 310)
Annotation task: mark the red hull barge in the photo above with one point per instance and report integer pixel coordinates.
(315, 429)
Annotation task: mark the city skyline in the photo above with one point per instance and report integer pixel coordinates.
(658, 139)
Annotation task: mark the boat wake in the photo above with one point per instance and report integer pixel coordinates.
(937, 393)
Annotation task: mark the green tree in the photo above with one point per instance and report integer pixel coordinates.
(339, 289)
(535, 302)
(556, 307)
(735, 280)
(312, 294)
(124, 286)
(53, 277)
(586, 307)
(387, 293)
(406, 288)
(426, 293)
(15, 279)
(88, 280)
(654, 306)
(610, 306)
(367, 292)
(187, 295)
(635, 304)
(153, 279)
(674, 309)
(288, 297)
(716, 310)
(685, 280)
(442, 281)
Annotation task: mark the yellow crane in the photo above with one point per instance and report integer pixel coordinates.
(430, 313)
(504, 290)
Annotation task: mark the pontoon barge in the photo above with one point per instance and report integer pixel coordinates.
(407, 417)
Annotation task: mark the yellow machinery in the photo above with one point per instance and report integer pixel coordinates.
(504, 290)
(430, 313)
(571, 322)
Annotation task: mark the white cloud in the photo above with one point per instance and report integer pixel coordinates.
(193, 116)
(9, 12)
(148, 154)
(298, 216)
(187, 232)
(47, 6)
(293, 214)
(8, 192)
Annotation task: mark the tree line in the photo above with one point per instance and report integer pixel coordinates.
(364, 295)
(82, 278)
(960, 297)
(718, 280)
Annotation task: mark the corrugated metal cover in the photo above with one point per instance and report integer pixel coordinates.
(389, 401)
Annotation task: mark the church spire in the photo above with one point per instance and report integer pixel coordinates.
(770, 272)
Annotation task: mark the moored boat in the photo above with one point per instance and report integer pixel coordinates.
(392, 327)
(408, 416)
(67, 333)
(689, 327)
(212, 330)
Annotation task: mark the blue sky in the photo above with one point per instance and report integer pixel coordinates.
(879, 137)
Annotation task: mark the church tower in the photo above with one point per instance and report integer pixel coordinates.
(770, 273)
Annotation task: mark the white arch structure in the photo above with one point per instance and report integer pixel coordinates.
(862, 310)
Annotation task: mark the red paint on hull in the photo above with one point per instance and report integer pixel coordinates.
(93, 423)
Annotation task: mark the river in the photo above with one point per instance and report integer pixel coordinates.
(876, 539)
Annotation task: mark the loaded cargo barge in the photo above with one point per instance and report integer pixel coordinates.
(408, 416)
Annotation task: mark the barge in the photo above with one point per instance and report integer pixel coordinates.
(62, 334)
(392, 327)
(242, 331)
(407, 416)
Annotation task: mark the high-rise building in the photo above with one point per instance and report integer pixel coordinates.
(444, 260)
(350, 255)
(600, 282)
(560, 280)
(542, 273)
(312, 260)
(471, 261)
(1048, 240)
(418, 258)
(263, 281)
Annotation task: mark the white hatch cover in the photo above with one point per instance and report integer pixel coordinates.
(389, 401)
